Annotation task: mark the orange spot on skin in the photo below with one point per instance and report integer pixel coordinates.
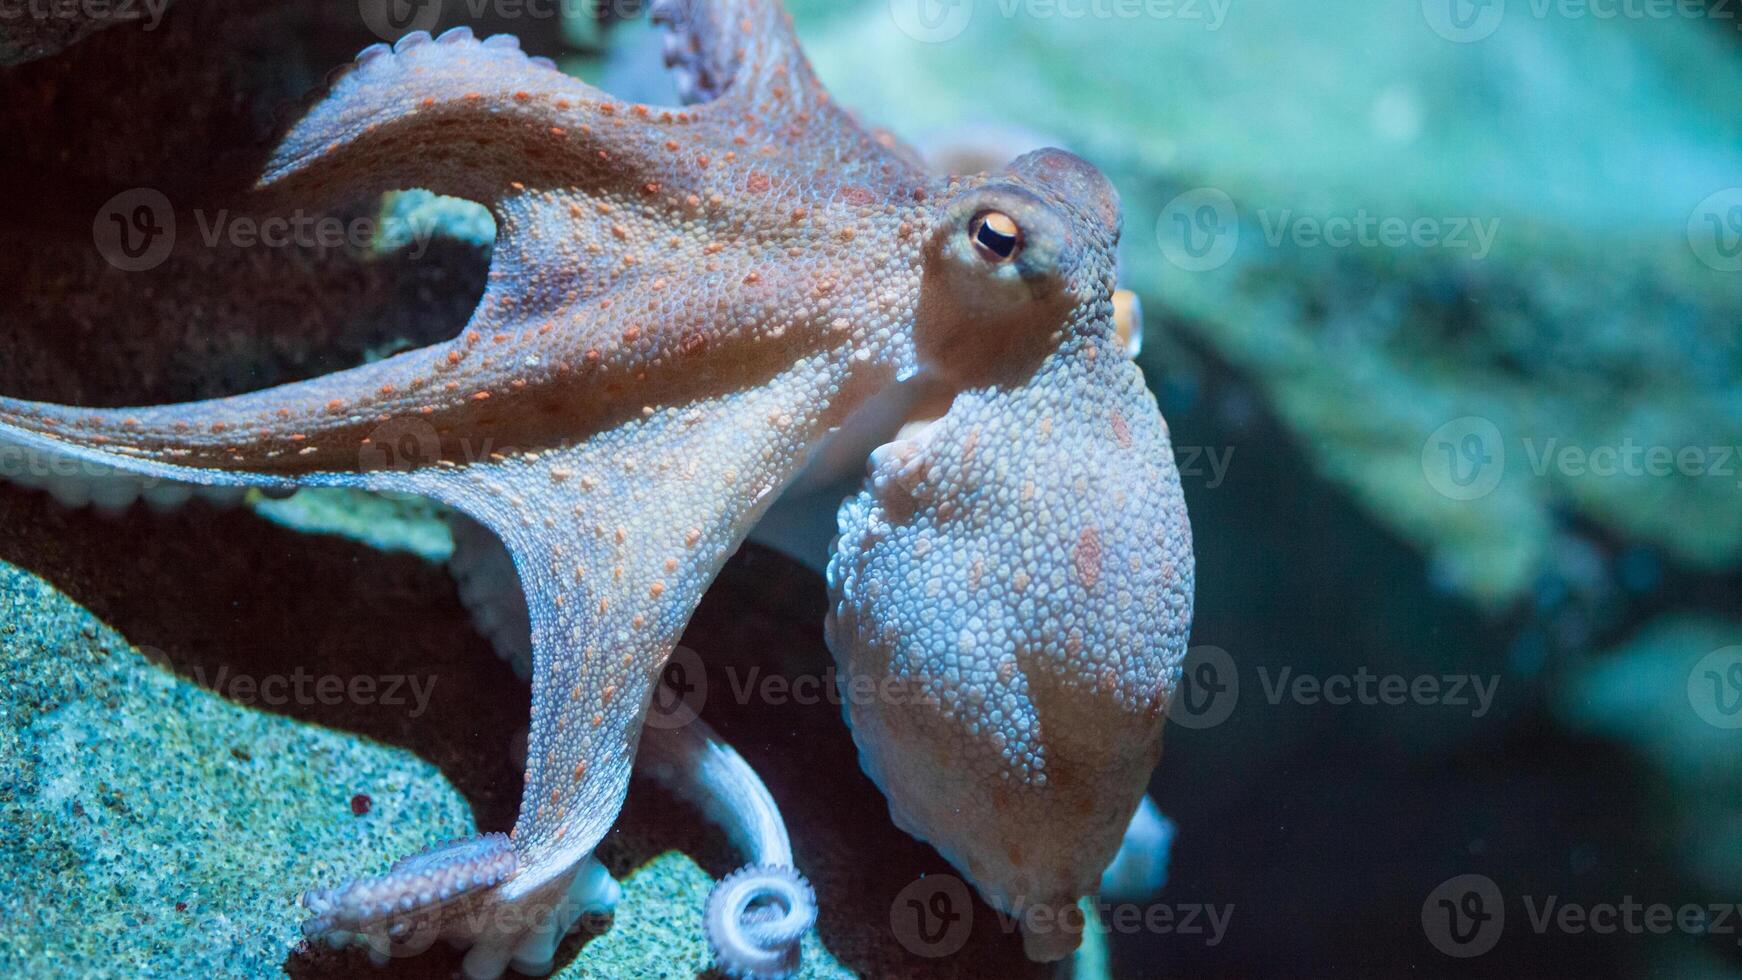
(757, 183)
(481, 396)
(1086, 557)
(1121, 431)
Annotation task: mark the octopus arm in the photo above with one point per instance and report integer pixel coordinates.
(614, 541)
(461, 116)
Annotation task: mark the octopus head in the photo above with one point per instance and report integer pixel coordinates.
(1012, 587)
(1013, 258)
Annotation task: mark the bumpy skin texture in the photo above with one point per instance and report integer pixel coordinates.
(1019, 577)
(682, 303)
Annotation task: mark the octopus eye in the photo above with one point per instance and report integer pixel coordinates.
(996, 236)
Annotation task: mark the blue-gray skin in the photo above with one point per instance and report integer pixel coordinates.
(1012, 593)
(683, 304)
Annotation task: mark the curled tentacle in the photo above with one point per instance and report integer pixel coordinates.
(755, 916)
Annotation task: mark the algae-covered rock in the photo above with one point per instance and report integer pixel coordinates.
(1568, 288)
(155, 827)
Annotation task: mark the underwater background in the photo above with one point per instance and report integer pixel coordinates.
(1444, 303)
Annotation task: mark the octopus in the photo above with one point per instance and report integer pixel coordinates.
(690, 310)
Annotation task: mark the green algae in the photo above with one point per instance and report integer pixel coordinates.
(152, 827)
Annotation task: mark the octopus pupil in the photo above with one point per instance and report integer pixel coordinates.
(996, 242)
